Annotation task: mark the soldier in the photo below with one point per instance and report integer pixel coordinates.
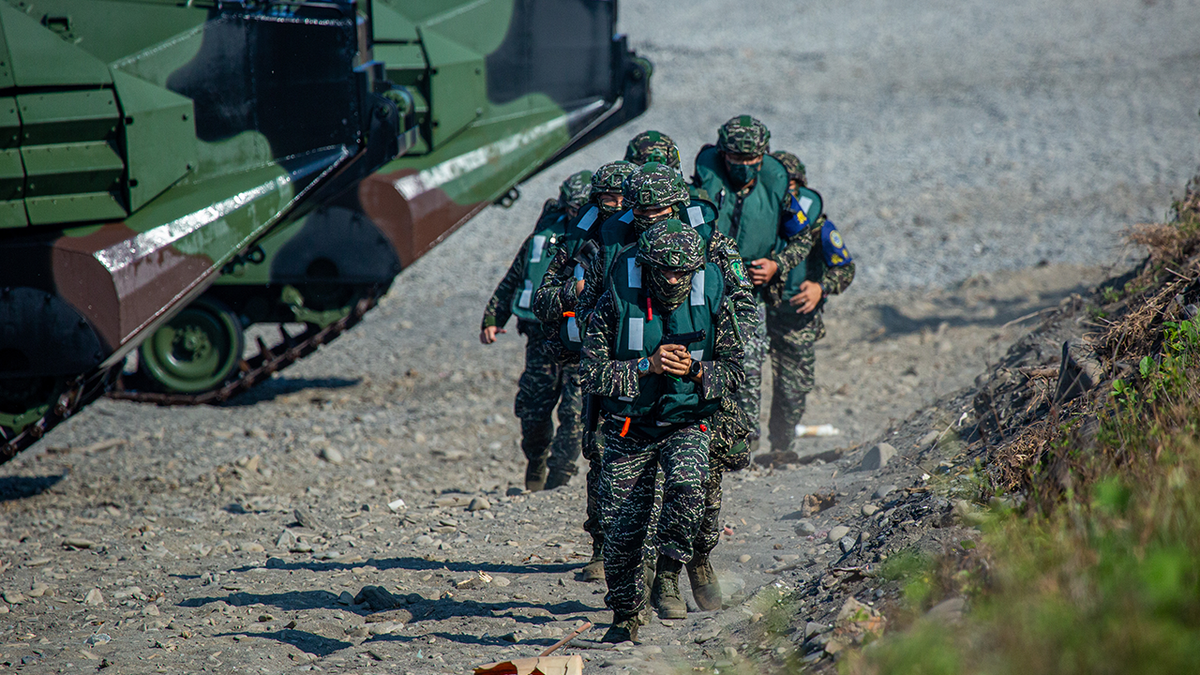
(605, 200)
(653, 146)
(756, 210)
(654, 192)
(660, 350)
(795, 326)
(544, 383)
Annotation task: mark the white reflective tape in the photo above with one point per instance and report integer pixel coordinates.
(572, 329)
(626, 217)
(627, 399)
(635, 273)
(805, 203)
(635, 335)
(539, 245)
(695, 216)
(698, 288)
(697, 354)
(526, 295)
(585, 223)
(579, 272)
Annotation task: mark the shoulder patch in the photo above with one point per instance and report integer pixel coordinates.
(832, 246)
(739, 270)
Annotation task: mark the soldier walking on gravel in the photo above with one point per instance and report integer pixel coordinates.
(794, 317)
(544, 383)
(750, 190)
(566, 268)
(660, 350)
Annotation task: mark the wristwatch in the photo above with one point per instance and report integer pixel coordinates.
(694, 370)
(643, 365)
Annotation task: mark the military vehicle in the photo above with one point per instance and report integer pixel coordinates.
(501, 90)
(152, 147)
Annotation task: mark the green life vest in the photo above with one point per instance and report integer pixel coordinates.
(615, 234)
(663, 400)
(543, 244)
(758, 225)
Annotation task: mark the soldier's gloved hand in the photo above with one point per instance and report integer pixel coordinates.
(806, 300)
(762, 270)
(488, 335)
(675, 359)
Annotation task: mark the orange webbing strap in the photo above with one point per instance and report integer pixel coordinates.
(568, 313)
(625, 427)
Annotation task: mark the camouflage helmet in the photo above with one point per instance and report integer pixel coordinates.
(743, 135)
(655, 185)
(795, 168)
(611, 176)
(576, 189)
(653, 146)
(669, 244)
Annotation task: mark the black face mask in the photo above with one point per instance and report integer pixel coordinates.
(742, 174)
(605, 212)
(670, 295)
(642, 223)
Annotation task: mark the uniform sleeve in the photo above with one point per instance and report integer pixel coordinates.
(547, 304)
(837, 279)
(599, 374)
(593, 284)
(796, 250)
(499, 308)
(723, 252)
(724, 375)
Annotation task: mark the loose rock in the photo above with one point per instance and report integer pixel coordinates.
(877, 457)
(836, 533)
(479, 504)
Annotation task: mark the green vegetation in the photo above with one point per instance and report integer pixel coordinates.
(1100, 572)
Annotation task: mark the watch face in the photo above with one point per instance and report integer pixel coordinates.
(643, 364)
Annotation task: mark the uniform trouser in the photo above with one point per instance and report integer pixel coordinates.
(725, 437)
(544, 384)
(566, 451)
(749, 396)
(593, 452)
(792, 337)
(627, 493)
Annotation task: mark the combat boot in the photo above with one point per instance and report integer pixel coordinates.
(706, 590)
(624, 628)
(557, 478)
(594, 570)
(665, 595)
(535, 475)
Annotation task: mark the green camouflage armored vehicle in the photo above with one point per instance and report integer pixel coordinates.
(501, 90)
(151, 147)
(143, 147)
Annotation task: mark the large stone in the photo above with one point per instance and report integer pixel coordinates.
(837, 533)
(377, 598)
(877, 457)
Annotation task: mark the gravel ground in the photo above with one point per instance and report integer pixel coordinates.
(958, 166)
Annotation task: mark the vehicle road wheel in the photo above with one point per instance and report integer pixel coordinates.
(196, 351)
